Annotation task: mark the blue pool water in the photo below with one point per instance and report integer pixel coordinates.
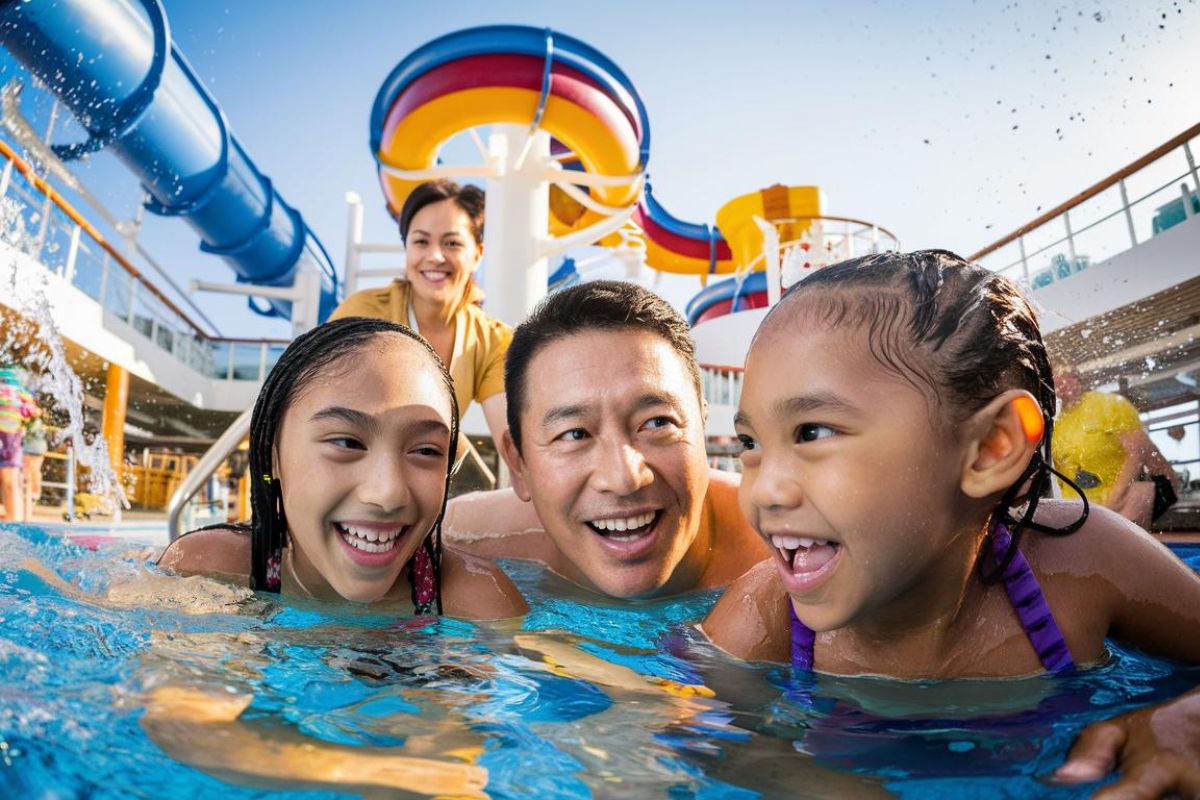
(73, 720)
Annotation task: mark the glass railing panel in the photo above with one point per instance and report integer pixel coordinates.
(1005, 260)
(247, 357)
(116, 291)
(1099, 228)
(220, 358)
(274, 351)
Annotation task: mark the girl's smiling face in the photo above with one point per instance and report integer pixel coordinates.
(361, 457)
(850, 476)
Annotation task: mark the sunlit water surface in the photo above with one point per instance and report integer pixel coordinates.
(76, 675)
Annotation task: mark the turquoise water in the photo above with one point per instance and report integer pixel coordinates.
(76, 675)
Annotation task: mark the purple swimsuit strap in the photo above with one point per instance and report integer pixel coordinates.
(1024, 593)
(1029, 602)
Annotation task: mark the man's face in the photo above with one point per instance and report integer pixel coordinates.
(612, 456)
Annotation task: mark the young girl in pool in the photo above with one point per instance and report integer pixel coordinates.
(351, 444)
(896, 420)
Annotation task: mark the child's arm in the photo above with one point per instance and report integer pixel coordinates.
(750, 621)
(1155, 602)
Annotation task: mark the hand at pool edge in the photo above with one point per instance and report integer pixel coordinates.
(1156, 749)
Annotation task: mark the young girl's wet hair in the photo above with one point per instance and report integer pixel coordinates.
(957, 332)
(305, 358)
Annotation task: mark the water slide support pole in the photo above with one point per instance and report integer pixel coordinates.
(518, 214)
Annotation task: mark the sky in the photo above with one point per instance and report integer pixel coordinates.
(950, 123)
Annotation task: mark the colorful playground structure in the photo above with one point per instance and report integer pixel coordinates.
(566, 166)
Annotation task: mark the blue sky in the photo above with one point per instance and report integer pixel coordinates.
(950, 123)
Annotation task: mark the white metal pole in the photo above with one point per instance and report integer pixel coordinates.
(354, 232)
(771, 257)
(518, 215)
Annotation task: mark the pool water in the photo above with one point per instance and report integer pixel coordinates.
(617, 713)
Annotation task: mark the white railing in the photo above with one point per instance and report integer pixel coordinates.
(41, 223)
(1151, 195)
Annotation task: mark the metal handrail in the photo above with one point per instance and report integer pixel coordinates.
(67, 208)
(221, 449)
(1090, 192)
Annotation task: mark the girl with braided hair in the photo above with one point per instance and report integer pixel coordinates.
(351, 445)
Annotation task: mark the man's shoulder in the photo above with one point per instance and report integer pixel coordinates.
(221, 552)
(497, 524)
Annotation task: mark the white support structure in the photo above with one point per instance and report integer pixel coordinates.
(518, 214)
(304, 294)
(771, 258)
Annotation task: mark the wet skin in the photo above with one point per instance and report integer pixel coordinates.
(613, 461)
(894, 496)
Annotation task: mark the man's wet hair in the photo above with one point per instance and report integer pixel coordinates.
(310, 355)
(592, 306)
(959, 333)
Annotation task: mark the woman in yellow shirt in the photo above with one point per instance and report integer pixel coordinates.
(441, 225)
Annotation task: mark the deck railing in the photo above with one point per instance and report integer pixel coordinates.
(43, 224)
(1154, 193)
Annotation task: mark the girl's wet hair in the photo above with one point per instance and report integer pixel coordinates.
(308, 356)
(957, 332)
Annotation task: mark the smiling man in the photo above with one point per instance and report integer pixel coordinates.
(611, 484)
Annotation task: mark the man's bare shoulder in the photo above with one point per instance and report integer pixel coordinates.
(488, 515)
(497, 524)
(217, 552)
(738, 546)
(478, 589)
(750, 619)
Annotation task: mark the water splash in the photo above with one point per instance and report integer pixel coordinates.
(47, 357)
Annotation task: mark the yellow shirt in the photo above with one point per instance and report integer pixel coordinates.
(1087, 442)
(480, 341)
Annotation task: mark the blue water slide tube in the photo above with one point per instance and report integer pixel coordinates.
(112, 63)
(522, 40)
(731, 288)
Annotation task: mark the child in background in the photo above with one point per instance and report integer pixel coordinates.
(896, 422)
(16, 407)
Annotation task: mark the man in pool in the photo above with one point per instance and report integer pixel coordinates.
(611, 484)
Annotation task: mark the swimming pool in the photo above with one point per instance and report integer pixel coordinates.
(74, 720)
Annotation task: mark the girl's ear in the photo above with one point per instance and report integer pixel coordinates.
(1003, 436)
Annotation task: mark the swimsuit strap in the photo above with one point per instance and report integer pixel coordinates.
(1024, 593)
(274, 567)
(802, 641)
(423, 576)
(424, 583)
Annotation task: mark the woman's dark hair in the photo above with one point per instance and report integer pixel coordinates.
(303, 360)
(956, 331)
(469, 198)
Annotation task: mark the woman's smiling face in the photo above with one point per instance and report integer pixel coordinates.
(441, 252)
(361, 459)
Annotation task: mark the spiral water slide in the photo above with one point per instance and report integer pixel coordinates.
(593, 156)
(113, 65)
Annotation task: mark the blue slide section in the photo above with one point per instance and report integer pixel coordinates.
(113, 65)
